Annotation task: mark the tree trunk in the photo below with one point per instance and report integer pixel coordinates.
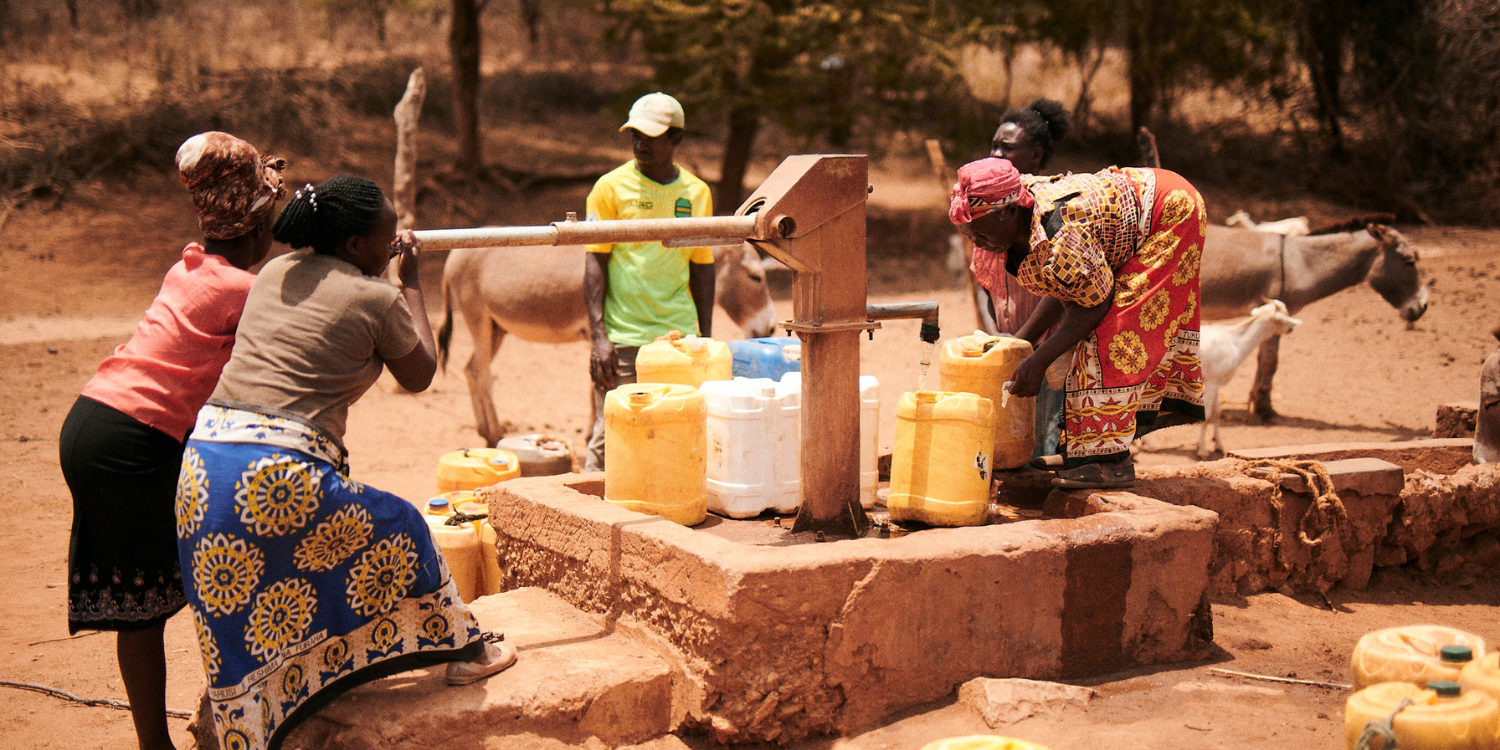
(531, 15)
(1147, 31)
(1321, 33)
(744, 124)
(408, 113)
(463, 44)
(140, 9)
(1139, 62)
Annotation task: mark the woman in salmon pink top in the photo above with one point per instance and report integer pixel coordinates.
(121, 445)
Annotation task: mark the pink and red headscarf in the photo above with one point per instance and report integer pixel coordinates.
(985, 186)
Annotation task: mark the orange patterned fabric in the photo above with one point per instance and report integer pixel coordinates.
(1133, 237)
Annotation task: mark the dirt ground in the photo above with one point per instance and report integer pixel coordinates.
(79, 277)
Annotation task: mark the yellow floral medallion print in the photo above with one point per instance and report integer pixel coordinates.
(1176, 207)
(347, 532)
(1158, 249)
(207, 646)
(281, 617)
(233, 737)
(1182, 319)
(192, 493)
(1154, 312)
(1187, 265)
(277, 494)
(436, 627)
(382, 576)
(225, 571)
(293, 682)
(336, 655)
(385, 634)
(1128, 288)
(1169, 338)
(1127, 352)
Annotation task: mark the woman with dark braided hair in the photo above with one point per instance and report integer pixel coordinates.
(1026, 137)
(304, 583)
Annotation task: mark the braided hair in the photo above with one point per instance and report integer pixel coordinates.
(1045, 122)
(323, 215)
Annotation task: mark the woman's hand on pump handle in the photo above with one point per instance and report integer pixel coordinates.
(408, 248)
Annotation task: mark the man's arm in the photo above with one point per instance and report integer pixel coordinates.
(701, 282)
(601, 351)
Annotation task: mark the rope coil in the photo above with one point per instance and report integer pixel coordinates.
(1381, 729)
(1325, 515)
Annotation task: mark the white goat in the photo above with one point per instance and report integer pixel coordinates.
(1223, 347)
(1293, 227)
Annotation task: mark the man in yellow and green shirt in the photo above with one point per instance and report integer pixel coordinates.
(636, 291)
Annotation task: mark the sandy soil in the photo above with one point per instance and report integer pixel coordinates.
(79, 278)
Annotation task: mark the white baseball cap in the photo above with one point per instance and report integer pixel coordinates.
(652, 114)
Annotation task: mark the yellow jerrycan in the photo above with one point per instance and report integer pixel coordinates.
(982, 742)
(940, 468)
(473, 468)
(1482, 675)
(1439, 717)
(459, 546)
(489, 560)
(982, 365)
(1412, 653)
(655, 439)
(489, 556)
(690, 360)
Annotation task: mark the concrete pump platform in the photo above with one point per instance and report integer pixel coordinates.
(776, 640)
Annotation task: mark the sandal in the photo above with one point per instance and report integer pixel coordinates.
(1108, 476)
(1047, 463)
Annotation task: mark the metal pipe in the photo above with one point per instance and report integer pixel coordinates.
(926, 311)
(703, 241)
(590, 232)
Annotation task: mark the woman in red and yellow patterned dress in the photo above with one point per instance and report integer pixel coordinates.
(1115, 256)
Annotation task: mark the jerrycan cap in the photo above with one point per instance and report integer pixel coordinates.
(1457, 654)
(438, 505)
(643, 397)
(972, 349)
(499, 459)
(1444, 688)
(926, 397)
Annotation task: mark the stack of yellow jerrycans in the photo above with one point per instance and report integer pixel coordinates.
(1429, 686)
(655, 430)
(468, 546)
(949, 442)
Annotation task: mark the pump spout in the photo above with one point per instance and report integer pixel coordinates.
(927, 311)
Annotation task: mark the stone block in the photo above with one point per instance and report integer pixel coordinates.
(778, 641)
(1006, 701)
(1456, 420)
(1440, 455)
(577, 679)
